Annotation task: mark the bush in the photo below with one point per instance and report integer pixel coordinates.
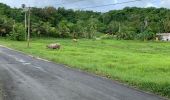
(18, 33)
(146, 35)
(108, 36)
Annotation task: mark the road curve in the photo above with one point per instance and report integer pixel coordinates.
(27, 78)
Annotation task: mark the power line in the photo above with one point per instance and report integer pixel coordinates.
(111, 4)
(152, 1)
(119, 3)
(70, 3)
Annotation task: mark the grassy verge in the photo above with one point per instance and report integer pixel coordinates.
(145, 65)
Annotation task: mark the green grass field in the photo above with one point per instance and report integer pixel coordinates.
(145, 65)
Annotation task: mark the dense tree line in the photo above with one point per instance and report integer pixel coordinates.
(128, 23)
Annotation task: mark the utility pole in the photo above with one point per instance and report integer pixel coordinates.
(25, 11)
(28, 35)
(119, 28)
(25, 25)
(13, 27)
(145, 27)
(145, 23)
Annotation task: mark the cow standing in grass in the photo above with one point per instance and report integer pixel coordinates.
(75, 40)
(54, 46)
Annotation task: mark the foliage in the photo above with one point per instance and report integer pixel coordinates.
(91, 28)
(113, 27)
(108, 36)
(5, 25)
(18, 32)
(146, 35)
(128, 23)
(126, 32)
(63, 28)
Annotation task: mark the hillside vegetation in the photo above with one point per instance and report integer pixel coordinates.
(129, 23)
(142, 64)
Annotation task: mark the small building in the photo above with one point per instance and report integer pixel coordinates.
(163, 36)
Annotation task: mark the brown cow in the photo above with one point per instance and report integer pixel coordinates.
(54, 46)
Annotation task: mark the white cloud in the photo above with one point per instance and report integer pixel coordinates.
(115, 1)
(165, 3)
(150, 5)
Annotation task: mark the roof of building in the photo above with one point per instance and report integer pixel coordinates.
(163, 34)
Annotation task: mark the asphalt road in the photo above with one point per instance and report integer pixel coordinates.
(28, 78)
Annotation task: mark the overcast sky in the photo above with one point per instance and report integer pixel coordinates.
(78, 4)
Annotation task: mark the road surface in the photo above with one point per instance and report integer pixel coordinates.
(28, 78)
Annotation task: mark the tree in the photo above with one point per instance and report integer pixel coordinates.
(91, 28)
(167, 25)
(113, 27)
(146, 35)
(5, 25)
(64, 30)
(44, 29)
(127, 33)
(80, 28)
(18, 32)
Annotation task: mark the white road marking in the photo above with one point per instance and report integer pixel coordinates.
(26, 63)
(19, 59)
(40, 69)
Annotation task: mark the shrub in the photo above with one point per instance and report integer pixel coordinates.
(108, 36)
(146, 35)
(18, 32)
